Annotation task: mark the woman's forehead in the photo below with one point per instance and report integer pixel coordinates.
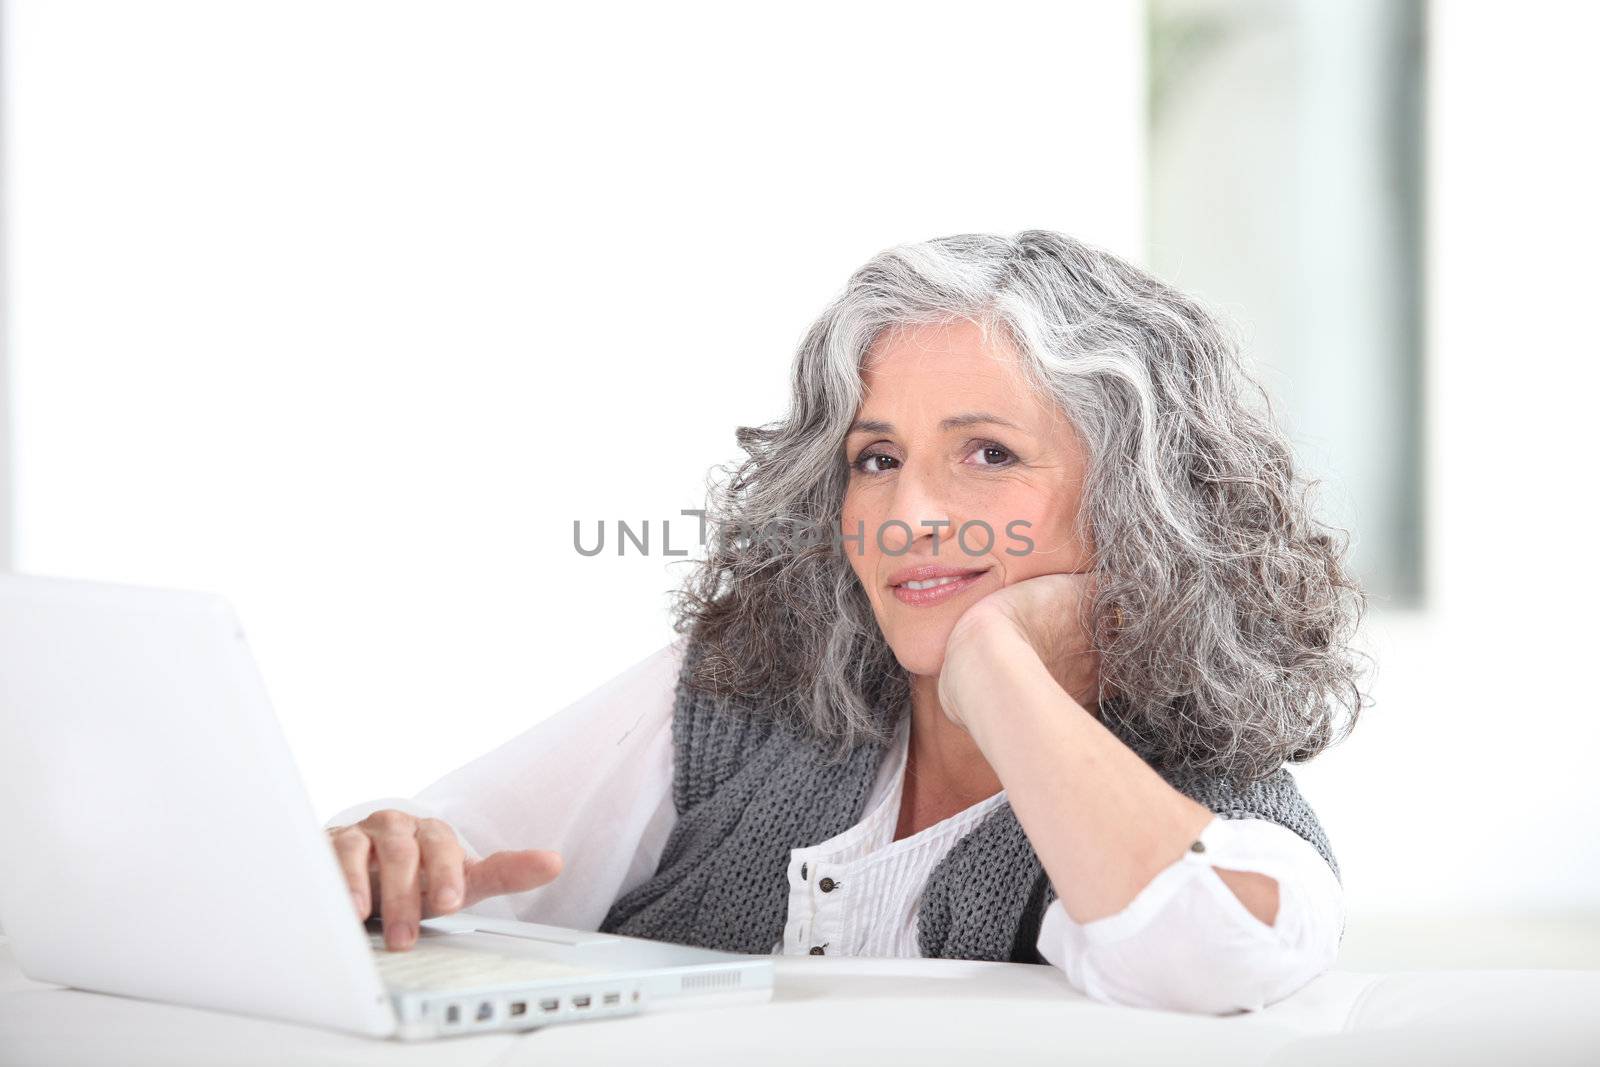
(954, 361)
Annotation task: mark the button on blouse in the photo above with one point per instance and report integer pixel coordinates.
(861, 896)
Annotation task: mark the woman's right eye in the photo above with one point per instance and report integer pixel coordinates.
(866, 463)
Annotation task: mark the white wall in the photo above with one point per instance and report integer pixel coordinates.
(348, 310)
(1471, 785)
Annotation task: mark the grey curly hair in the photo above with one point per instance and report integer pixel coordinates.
(1223, 614)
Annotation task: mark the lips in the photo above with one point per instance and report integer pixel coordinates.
(933, 583)
(929, 571)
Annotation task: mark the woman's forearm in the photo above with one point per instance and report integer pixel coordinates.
(1102, 821)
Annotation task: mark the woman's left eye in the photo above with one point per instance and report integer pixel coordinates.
(992, 455)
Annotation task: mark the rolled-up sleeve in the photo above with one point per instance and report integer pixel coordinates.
(1187, 943)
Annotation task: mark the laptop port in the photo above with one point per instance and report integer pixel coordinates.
(519, 1007)
(485, 1011)
(549, 1005)
(581, 1002)
(452, 1014)
(613, 998)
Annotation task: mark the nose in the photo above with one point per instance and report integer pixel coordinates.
(922, 503)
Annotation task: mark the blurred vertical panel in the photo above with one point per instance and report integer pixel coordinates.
(1286, 147)
(6, 518)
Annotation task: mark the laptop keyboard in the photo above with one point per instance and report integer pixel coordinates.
(433, 966)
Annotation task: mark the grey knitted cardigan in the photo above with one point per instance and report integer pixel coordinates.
(748, 788)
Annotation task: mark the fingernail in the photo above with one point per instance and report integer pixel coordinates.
(448, 897)
(403, 934)
(359, 902)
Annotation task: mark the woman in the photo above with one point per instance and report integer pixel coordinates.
(1029, 697)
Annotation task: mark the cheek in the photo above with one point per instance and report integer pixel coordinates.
(853, 520)
(1049, 521)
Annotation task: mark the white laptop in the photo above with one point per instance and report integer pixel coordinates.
(158, 842)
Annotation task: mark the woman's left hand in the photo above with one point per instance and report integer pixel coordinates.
(1044, 612)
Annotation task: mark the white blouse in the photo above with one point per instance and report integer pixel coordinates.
(594, 782)
(855, 894)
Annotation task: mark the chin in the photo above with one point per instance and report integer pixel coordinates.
(920, 653)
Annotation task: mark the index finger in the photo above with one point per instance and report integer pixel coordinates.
(510, 871)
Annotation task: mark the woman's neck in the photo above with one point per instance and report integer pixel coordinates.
(946, 772)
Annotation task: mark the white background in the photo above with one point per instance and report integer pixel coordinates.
(349, 310)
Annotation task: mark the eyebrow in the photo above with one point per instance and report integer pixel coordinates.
(954, 422)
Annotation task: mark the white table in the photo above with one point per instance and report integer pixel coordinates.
(826, 1012)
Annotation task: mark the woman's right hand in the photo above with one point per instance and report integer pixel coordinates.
(416, 869)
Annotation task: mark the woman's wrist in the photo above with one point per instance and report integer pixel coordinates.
(985, 658)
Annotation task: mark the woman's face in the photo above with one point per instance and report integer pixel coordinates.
(950, 441)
